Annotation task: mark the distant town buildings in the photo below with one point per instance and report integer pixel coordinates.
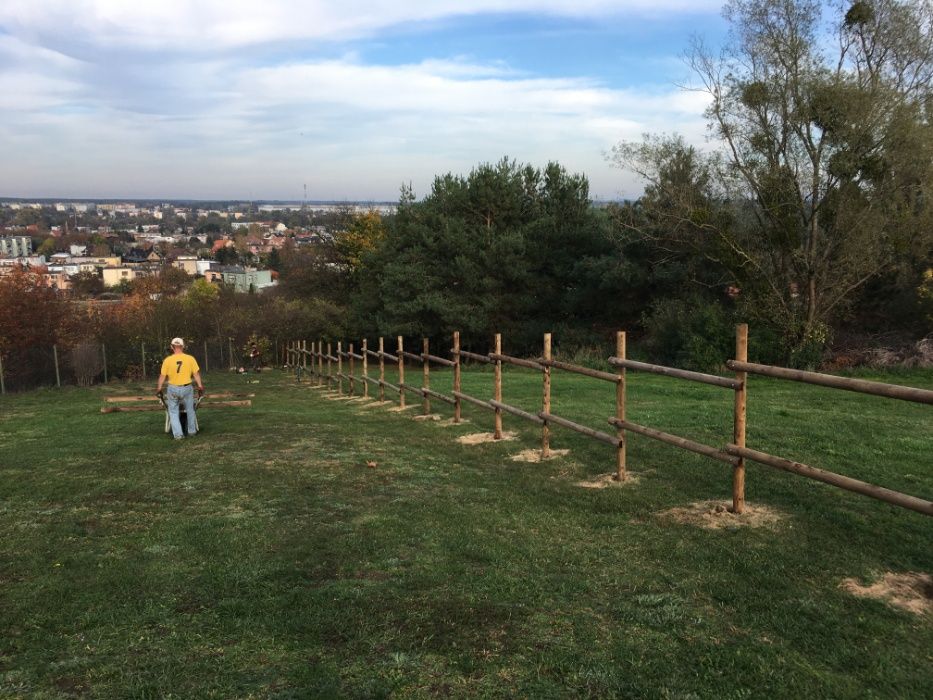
(15, 246)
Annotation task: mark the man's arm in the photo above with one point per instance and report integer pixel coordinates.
(162, 379)
(197, 379)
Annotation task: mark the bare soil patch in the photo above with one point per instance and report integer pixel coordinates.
(431, 417)
(374, 404)
(399, 409)
(607, 481)
(535, 456)
(483, 438)
(713, 515)
(910, 591)
(450, 422)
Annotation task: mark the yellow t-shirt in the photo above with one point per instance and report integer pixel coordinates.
(179, 368)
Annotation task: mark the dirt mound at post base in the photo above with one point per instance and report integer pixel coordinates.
(535, 456)
(606, 481)
(713, 515)
(910, 591)
(483, 438)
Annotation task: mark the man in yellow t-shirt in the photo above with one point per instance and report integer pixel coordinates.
(179, 369)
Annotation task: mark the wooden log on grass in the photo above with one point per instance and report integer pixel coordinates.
(146, 409)
(896, 498)
(674, 372)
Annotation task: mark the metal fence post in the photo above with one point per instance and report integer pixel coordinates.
(58, 377)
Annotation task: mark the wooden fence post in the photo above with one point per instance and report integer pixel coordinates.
(382, 370)
(426, 382)
(329, 376)
(352, 365)
(205, 356)
(620, 409)
(339, 367)
(103, 352)
(58, 377)
(546, 401)
(2, 383)
(143, 345)
(497, 389)
(234, 365)
(320, 361)
(457, 390)
(365, 354)
(738, 433)
(401, 373)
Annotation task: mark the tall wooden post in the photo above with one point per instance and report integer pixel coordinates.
(620, 409)
(233, 363)
(103, 354)
(339, 367)
(401, 373)
(426, 379)
(365, 354)
(497, 389)
(320, 361)
(352, 364)
(2, 383)
(205, 356)
(329, 376)
(738, 433)
(312, 362)
(143, 346)
(546, 401)
(456, 354)
(382, 370)
(58, 376)
(304, 355)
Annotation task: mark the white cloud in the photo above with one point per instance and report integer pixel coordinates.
(190, 120)
(211, 24)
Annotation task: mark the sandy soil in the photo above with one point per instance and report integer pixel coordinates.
(534, 456)
(910, 591)
(713, 515)
(482, 438)
(607, 481)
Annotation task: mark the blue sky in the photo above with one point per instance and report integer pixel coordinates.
(242, 99)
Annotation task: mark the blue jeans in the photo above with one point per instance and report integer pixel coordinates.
(178, 395)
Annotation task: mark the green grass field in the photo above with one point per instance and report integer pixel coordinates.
(263, 559)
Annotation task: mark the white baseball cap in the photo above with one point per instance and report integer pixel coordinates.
(178, 341)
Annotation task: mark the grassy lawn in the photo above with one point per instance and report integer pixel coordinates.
(263, 558)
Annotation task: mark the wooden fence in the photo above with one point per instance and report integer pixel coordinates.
(320, 361)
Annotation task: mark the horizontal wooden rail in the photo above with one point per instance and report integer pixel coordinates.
(341, 375)
(371, 380)
(517, 412)
(331, 358)
(391, 386)
(586, 371)
(509, 359)
(475, 356)
(354, 356)
(437, 395)
(372, 353)
(675, 440)
(387, 356)
(221, 395)
(412, 388)
(474, 400)
(674, 372)
(557, 420)
(844, 482)
(411, 355)
(863, 386)
(438, 360)
(342, 354)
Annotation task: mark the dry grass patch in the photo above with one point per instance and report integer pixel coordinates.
(483, 438)
(605, 481)
(910, 591)
(433, 417)
(399, 409)
(714, 515)
(450, 422)
(375, 404)
(535, 456)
